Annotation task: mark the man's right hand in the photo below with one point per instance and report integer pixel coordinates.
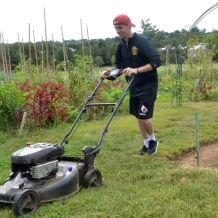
(105, 74)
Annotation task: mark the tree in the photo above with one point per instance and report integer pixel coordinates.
(148, 30)
(113, 60)
(106, 49)
(111, 51)
(59, 55)
(99, 61)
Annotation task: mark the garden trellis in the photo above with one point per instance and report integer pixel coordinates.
(180, 56)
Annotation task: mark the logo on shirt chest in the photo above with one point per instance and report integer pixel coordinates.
(134, 50)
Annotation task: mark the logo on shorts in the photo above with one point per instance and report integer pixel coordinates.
(144, 110)
(134, 50)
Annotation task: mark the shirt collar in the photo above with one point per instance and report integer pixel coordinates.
(130, 39)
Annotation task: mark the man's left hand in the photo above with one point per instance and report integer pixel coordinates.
(129, 71)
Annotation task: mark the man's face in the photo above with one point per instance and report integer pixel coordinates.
(122, 30)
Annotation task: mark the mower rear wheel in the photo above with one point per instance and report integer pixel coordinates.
(93, 179)
(25, 202)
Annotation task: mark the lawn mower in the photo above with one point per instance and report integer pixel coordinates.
(40, 172)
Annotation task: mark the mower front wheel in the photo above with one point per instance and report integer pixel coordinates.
(25, 202)
(93, 179)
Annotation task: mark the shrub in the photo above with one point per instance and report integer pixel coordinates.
(45, 103)
(11, 103)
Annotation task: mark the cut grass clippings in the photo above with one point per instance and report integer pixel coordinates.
(135, 186)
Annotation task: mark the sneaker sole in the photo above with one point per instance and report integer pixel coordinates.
(154, 152)
(141, 154)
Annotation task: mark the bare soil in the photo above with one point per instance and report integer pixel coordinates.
(208, 157)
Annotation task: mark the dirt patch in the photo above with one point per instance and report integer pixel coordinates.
(208, 156)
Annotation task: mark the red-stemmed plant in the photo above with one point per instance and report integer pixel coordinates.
(45, 102)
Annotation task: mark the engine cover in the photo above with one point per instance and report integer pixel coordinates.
(37, 153)
(43, 170)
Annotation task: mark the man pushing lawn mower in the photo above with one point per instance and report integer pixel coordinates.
(40, 172)
(137, 55)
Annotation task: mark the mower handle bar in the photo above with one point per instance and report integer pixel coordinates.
(98, 145)
(87, 104)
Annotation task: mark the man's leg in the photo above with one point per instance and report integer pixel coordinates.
(145, 136)
(142, 108)
(147, 132)
(146, 127)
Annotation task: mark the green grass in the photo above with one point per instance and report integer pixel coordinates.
(135, 186)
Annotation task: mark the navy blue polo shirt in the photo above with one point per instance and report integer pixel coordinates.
(139, 52)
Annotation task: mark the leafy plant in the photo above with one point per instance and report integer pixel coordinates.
(201, 72)
(11, 103)
(2, 75)
(45, 102)
(79, 81)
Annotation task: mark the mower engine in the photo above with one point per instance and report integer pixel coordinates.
(37, 160)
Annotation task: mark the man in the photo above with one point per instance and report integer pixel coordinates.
(137, 55)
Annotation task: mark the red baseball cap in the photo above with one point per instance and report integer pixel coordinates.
(123, 19)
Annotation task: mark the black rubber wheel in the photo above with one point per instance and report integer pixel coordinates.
(93, 179)
(25, 202)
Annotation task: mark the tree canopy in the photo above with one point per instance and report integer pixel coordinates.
(103, 50)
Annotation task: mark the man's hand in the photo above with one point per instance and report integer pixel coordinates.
(105, 74)
(129, 71)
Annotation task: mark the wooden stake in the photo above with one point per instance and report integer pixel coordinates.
(3, 59)
(53, 52)
(6, 62)
(90, 51)
(9, 62)
(22, 123)
(24, 59)
(64, 50)
(42, 59)
(65, 61)
(21, 56)
(37, 67)
(30, 58)
(84, 74)
(47, 64)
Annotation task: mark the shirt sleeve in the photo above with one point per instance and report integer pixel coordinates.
(119, 62)
(150, 51)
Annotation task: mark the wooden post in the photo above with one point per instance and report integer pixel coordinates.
(53, 52)
(37, 67)
(9, 62)
(20, 51)
(22, 123)
(64, 50)
(30, 58)
(83, 55)
(65, 62)
(197, 141)
(3, 59)
(90, 51)
(6, 61)
(42, 61)
(47, 64)
(24, 59)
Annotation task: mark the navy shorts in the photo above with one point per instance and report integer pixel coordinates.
(142, 107)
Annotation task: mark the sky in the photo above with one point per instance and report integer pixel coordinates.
(37, 20)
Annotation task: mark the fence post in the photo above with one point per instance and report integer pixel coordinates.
(197, 142)
(22, 123)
